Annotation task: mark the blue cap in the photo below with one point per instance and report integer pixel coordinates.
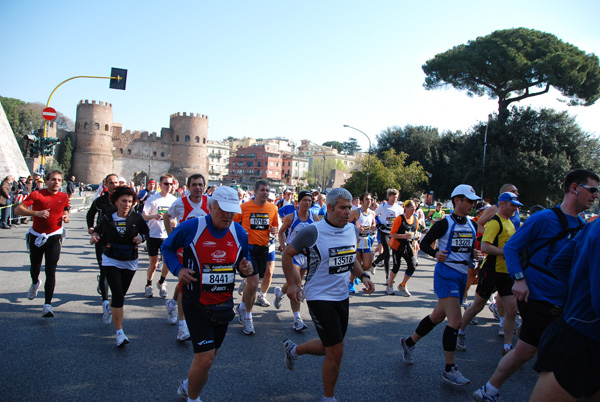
(512, 197)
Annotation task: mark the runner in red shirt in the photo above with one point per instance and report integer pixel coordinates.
(49, 208)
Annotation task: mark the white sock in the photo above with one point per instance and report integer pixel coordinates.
(329, 399)
(242, 306)
(248, 315)
(261, 294)
(507, 346)
(491, 390)
(502, 322)
(193, 400)
(294, 353)
(461, 332)
(120, 332)
(296, 315)
(182, 323)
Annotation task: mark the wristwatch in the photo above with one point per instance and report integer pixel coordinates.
(518, 276)
(363, 275)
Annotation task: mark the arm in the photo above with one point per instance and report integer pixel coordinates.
(485, 217)
(287, 221)
(291, 272)
(91, 214)
(183, 235)
(168, 226)
(487, 242)
(437, 230)
(366, 279)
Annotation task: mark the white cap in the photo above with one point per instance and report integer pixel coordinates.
(271, 196)
(228, 199)
(122, 179)
(466, 190)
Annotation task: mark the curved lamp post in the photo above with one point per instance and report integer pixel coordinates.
(369, 154)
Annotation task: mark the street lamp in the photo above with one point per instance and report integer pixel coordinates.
(369, 154)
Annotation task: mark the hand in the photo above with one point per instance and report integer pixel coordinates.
(281, 247)
(274, 230)
(293, 293)
(441, 256)
(95, 238)
(409, 235)
(186, 276)
(65, 218)
(246, 267)
(159, 216)
(521, 290)
(90, 230)
(370, 287)
(137, 239)
(477, 254)
(44, 214)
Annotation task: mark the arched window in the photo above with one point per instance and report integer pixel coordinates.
(85, 126)
(120, 150)
(177, 138)
(96, 126)
(197, 140)
(204, 140)
(162, 154)
(187, 138)
(106, 127)
(154, 153)
(129, 152)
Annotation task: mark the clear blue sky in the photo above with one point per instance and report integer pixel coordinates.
(297, 69)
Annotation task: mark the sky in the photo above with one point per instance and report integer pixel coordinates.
(262, 69)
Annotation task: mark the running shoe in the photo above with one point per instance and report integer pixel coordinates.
(299, 325)
(182, 391)
(98, 287)
(518, 329)
(474, 319)
(162, 290)
(356, 281)
(242, 286)
(404, 291)
(481, 395)
(241, 312)
(122, 340)
(33, 290)
(261, 300)
(501, 331)
(47, 311)
(106, 312)
(351, 288)
(183, 334)
(407, 352)
(248, 327)
(148, 291)
(389, 289)
(454, 377)
(494, 309)
(288, 360)
(171, 312)
(278, 297)
(505, 351)
(461, 342)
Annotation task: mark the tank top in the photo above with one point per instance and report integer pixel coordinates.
(365, 220)
(298, 225)
(458, 241)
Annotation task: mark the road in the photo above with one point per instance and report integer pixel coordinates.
(72, 357)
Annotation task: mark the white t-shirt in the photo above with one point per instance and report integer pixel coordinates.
(155, 204)
(387, 213)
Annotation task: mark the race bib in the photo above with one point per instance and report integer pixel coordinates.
(390, 221)
(259, 221)
(163, 210)
(121, 227)
(218, 278)
(341, 259)
(462, 242)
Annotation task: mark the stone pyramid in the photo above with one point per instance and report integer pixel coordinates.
(11, 159)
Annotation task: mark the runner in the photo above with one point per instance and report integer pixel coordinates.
(49, 209)
(326, 286)
(386, 213)
(455, 235)
(402, 240)
(364, 218)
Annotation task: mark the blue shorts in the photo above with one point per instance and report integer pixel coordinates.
(361, 243)
(271, 256)
(448, 282)
(300, 260)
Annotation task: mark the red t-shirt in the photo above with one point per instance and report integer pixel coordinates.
(43, 199)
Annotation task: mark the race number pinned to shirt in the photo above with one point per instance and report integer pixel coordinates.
(462, 242)
(364, 239)
(341, 259)
(217, 278)
(121, 227)
(259, 221)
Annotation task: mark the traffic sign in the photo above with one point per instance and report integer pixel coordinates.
(49, 114)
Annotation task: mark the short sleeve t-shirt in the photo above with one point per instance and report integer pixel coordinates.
(43, 199)
(492, 229)
(154, 205)
(257, 220)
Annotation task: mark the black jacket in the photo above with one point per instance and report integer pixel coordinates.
(118, 243)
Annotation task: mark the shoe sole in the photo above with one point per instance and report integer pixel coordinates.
(285, 358)
(447, 381)
(125, 342)
(49, 314)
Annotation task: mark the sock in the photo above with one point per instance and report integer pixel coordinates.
(296, 315)
(162, 280)
(329, 399)
(182, 323)
(242, 306)
(294, 353)
(403, 284)
(491, 390)
(261, 294)
(248, 315)
(120, 332)
(148, 283)
(507, 346)
(449, 367)
(193, 400)
(172, 303)
(461, 332)
(502, 322)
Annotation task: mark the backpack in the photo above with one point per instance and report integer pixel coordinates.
(567, 232)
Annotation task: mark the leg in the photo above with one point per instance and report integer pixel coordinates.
(152, 264)
(547, 389)
(249, 296)
(510, 310)
(476, 307)
(428, 323)
(451, 307)
(115, 281)
(36, 254)
(266, 281)
(331, 368)
(51, 255)
(198, 373)
(511, 362)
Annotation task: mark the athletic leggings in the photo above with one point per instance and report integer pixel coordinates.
(385, 256)
(51, 252)
(404, 251)
(119, 281)
(102, 279)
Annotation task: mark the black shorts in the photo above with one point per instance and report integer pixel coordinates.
(490, 281)
(153, 244)
(259, 256)
(205, 335)
(330, 319)
(537, 316)
(572, 357)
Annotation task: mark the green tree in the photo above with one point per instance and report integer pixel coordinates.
(514, 64)
(389, 171)
(351, 146)
(64, 154)
(335, 145)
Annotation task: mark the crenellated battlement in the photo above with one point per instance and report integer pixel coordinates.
(100, 103)
(189, 115)
(138, 134)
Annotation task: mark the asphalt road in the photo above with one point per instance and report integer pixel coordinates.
(72, 357)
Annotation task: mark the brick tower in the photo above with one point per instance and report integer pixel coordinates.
(189, 152)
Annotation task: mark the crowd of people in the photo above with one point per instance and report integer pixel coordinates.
(543, 270)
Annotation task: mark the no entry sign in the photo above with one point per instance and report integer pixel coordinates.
(49, 114)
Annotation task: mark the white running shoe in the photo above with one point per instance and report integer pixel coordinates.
(278, 296)
(171, 312)
(389, 289)
(248, 326)
(261, 300)
(407, 352)
(183, 334)
(461, 342)
(299, 325)
(182, 391)
(481, 395)
(288, 360)
(474, 320)
(148, 291)
(494, 309)
(404, 291)
(242, 286)
(33, 290)
(454, 377)
(47, 311)
(162, 290)
(501, 331)
(122, 340)
(106, 312)
(241, 312)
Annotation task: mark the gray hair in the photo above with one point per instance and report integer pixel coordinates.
(334, 195)
(212, 202)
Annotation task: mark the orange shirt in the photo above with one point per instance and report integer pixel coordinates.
(394, 243)
(257, 220)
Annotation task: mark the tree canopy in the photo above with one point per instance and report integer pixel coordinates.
(335, 145)
(351, 146)
(514, 64)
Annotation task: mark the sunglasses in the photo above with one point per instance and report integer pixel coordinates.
(592, 190)
(167, 184)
